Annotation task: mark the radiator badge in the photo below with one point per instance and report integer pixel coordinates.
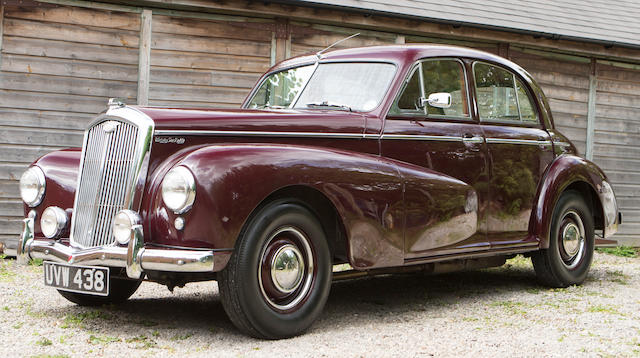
(110, 126)
(165, 140)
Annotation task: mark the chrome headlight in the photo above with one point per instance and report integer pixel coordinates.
(179, 189)
(53, 221)
(123, 224)
(32, 185)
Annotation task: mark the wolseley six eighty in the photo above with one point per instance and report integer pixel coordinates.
(379, 159)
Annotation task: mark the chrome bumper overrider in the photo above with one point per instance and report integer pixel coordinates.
(135, 258)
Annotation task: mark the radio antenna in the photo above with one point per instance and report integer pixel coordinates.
(335, 43)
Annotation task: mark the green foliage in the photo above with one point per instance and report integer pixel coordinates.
(102, 339)
(77, 319)
(622, 251)
(44, 342)
(35, 262)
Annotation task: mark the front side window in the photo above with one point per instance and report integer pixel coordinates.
(281, 88)
(431, 77)
(501, 96)
(354, 86)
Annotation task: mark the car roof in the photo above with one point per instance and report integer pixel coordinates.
(397, 54)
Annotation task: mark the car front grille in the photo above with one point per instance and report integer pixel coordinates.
(110, 167)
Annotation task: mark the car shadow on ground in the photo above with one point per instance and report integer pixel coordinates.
(351, 302)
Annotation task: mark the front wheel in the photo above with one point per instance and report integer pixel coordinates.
(279, 276)
(120, 289)
(571, 242)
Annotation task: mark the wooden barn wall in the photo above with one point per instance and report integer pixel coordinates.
(58, 67)
(205, 63)
(565, 82)
(310, 38)
(616, 143)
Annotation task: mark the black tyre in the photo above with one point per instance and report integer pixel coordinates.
(279, 276)
(120, 289)
(571, 242)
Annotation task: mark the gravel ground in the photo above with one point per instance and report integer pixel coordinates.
(499, 312)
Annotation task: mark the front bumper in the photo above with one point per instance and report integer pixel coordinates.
(135, 258)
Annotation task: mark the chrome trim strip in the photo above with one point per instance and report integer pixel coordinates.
(562, 144)
(435, 138)
(518, 141)
(263, 134)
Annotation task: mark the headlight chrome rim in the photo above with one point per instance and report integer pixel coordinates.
(40, 182)
(53, 221)
(122, 226)
(187, 186)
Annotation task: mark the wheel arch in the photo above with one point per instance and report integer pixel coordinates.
(567, 172)
(323, 209)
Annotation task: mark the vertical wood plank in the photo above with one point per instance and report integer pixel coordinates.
(144, 57)
(1, 30)
(287, 47)
(591, 110)
(273, 48)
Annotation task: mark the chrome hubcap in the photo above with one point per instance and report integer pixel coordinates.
(287, 268)
(572, 239)
(285, 273)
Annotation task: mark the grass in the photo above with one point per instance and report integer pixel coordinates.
(182, 337)
(78, 319)
(93, 339)
(44, 342)
(621, 251)
(36, 262)
(143, 342)
(605, 309)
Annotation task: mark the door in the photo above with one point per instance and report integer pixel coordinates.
(445, 140)
(519, 150)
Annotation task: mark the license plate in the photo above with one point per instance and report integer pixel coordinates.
(91, 280)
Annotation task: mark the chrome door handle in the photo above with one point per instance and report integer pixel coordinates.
(472, 139)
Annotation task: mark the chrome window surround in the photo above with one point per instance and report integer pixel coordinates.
(145, 127)
(255, 88)
(418, 67)
(536, 123)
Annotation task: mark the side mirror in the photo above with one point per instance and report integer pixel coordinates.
(439, 100)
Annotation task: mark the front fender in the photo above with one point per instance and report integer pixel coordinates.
(233, 179)
(563, 172)
(366, 190)
(61, 174)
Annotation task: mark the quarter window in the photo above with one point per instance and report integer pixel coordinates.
(501, 96)
(429, 77)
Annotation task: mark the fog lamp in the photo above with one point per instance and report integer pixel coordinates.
(53, 221)
(123, 224)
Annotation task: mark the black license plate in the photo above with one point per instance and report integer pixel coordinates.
(91, 280)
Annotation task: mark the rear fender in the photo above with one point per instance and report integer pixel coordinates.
(568, 171)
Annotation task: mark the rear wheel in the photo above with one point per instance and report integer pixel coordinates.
(279, 276)
(571, 242)
(120, 289)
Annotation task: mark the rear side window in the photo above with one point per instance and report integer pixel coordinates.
(430, 77)
(501, 95)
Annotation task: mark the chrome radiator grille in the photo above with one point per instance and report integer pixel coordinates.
(108, 173)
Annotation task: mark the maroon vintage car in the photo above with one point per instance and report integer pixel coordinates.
(378, 159)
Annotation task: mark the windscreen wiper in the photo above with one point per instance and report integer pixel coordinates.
(326, 104)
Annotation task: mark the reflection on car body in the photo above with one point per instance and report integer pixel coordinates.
(385, 159)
